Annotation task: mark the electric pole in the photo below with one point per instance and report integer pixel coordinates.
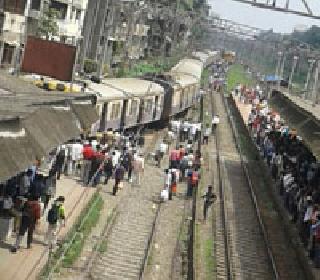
(294, 65)
(107, 21)
(306, 86)
(315, 84)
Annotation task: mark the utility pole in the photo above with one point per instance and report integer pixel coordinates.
(277, 75)
(282, 70)
(306, 86)
(91, 14)
(294, 64)
(106, 37)
(315, 84)
(23, 40)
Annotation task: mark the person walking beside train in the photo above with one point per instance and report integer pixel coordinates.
(118, 177)
(138, 168)
(87, 154)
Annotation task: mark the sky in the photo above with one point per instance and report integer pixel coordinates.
(265, 19)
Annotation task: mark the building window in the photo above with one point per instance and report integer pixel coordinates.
(35, 5)
(60, 8)
(78, 14)
(14, 6)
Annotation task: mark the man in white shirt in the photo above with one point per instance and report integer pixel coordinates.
(215, 122)
(138, 168)
(193, 131)
(76, 155)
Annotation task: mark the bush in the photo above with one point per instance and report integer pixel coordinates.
(90, 66)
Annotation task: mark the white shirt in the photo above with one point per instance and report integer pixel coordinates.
(168, 179)
(115, 158)
(215, 120)
(76, 151)
(7, 203)
(163, 148)
(193, 129)
(207, 131)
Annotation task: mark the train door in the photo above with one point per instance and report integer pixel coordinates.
(103, 117)
(181, 99)
(141, 111)
(156, 105)
(124, 113)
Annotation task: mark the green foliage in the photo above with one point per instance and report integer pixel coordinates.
(311, 36)
(151, 66)
(186, 5)
(237, 75)
(48, 24)
(204, 77)
(90, 66)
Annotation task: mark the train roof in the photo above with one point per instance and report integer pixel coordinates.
(184, 79)
(121, 88)
(202, 56)
(190, 67)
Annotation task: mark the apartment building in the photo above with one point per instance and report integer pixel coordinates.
(122, 23)
(19, 18)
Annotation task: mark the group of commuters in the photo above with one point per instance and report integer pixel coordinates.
(185, 163)
(30, 197)
(294, 168)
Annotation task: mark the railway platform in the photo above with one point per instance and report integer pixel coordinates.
(290, 230)
(27, 263)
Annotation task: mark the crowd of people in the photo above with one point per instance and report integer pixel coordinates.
(30, 197)
(293, 166)
(185, 161)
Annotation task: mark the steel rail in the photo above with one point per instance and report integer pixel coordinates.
(252, 191)
(222, 202)
(228, 256)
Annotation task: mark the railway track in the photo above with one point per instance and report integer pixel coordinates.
(241, 249)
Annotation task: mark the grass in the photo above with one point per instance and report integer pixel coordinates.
(79, 232)
(209, 259)
(103, 246)
(75, 249)
(149, 66)
(204, 78)
(236, 75)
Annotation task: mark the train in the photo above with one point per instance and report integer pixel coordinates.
(124, 103)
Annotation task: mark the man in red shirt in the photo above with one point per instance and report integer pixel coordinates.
(88, 155)
(174, 157)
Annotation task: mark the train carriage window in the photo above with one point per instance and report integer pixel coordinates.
(115, 111)
(177, 97)
(133, 107)
(148, 105)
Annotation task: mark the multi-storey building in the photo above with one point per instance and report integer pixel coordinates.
(19, 18)
(115, 30)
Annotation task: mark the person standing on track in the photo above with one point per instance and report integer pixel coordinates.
(215, 122)
(208, 199)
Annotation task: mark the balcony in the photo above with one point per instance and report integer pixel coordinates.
(34, 14)
(69, 28)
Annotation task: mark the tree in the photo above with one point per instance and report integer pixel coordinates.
(48, 26)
